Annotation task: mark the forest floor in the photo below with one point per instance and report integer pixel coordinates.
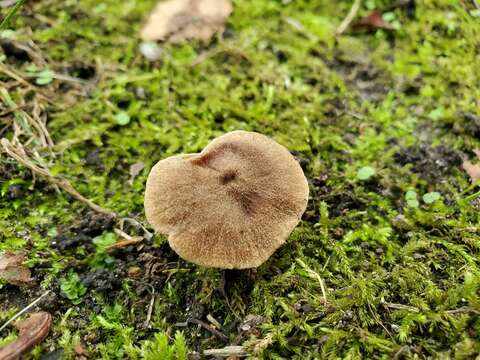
(381, 122)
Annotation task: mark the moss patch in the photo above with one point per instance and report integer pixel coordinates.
(401, 277)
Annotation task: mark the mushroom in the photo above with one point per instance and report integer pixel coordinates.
(230, 206)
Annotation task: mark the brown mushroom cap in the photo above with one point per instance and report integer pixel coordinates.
(230, 206)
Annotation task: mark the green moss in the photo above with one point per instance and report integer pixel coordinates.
(399, 279)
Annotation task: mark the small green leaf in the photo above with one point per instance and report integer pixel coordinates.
(410, 195)
(475, 12)
(122, 118)
(44, 77)
(43, 81)
(365, 173)
(73, 288)
(431, 197)
(7, 34)
(389, 16)
(436, 114)
(31, 68)
(411, 198)
(413, 203)
(102, 241)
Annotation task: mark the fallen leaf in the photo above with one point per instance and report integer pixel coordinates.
(179, 20)
(31, 332)
(372, 21)
(472, 170)
(7, 3)
(13, 271)
(135, 169)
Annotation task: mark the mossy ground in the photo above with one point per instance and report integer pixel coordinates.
(401, 280)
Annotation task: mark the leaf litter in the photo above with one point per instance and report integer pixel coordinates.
(371, 22)
(472, 170)
(31, 332)
(12, 269)
(179, 20)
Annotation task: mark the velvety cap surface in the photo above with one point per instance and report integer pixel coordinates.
(232, 205)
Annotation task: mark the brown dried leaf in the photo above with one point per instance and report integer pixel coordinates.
(7, 3)
(135, 169)
(179, 20)
(13, 271)
(372, 21)
(31, 332)
(472, 170)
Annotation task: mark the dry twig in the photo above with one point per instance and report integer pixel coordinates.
(238, 351)
(314, 275)
(127, 240)
(24, 310)
(209, 328)
(401, 307)
(19, 154)
(150, 310)
(350, 16)
(11, 73)
(463, 310)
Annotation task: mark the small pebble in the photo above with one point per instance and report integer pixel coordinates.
(150, 50)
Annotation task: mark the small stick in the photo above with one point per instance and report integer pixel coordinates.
(61, 183)
(463, 310)
(147, 234)
(315, 275)
(322, 287)
(150, 310)
(24, 82)
(9, 111)
(400, 352)
(204, 56)
(350, 16)
(24, 310)
(227, 351)
(209, 328)
(18, 154)
(214, 321)
(123, 234)
(401, 307)
(122, 243)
